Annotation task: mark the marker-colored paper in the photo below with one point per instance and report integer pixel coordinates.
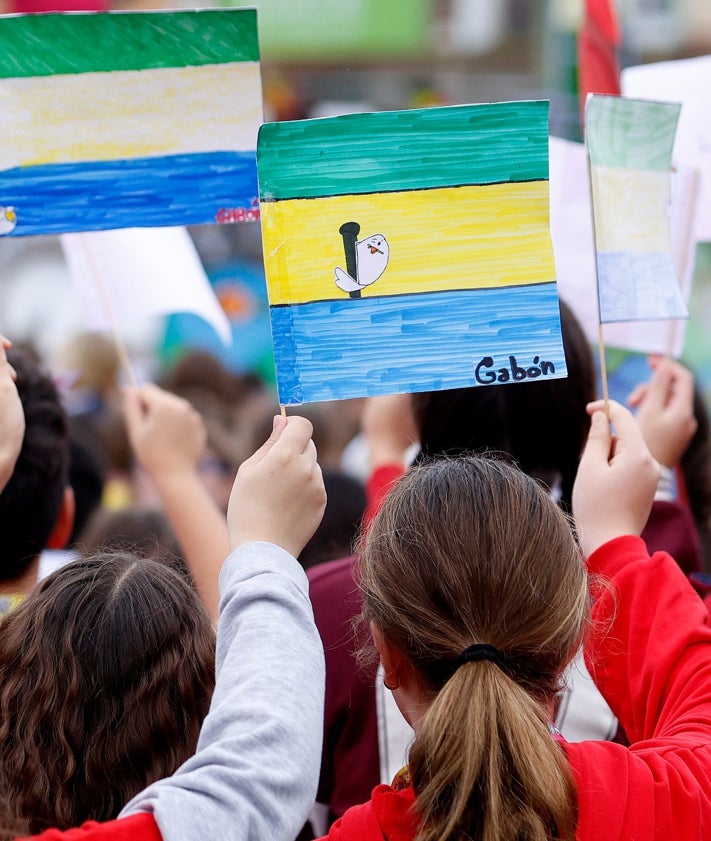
(409, 251)
(126, 120)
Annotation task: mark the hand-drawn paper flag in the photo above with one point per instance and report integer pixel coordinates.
(574, 249)
(629, 145)
(125, 120)
(409, 250)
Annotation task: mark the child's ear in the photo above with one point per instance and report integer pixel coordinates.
(390, 657)
(62, 530)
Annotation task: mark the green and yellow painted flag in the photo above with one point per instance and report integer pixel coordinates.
(629, 144)
(122, 120)
(409, 251)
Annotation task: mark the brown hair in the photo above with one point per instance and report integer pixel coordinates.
(471, 550)
(106, 673)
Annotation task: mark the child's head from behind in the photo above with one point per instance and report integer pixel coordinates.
(472, 551)
(106, 672)
(32, 500)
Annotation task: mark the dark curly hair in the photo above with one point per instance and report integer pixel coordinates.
(106, 673)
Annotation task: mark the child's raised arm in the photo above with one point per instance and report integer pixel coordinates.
(388, 428)
(255, 771)
(12, 417)
(649, 653)
(168, 437)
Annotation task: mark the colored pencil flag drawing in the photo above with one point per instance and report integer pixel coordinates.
(409, 250)
(125, 120)
(629, 145)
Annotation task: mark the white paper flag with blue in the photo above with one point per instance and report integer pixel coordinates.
(629, 144)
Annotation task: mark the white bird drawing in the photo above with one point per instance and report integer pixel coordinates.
(8, 220)
(371, 261)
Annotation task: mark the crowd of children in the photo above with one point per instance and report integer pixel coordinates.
(514, 583)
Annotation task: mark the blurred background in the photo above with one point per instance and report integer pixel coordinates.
(324, 57)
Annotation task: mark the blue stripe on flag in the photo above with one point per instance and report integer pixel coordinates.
(638, 286)
(190, 189)
(336, 349)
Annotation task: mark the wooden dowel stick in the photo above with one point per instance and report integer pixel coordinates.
(119, 344)
(603, 371)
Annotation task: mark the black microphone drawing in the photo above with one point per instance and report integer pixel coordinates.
(349, 231)
(366, 260)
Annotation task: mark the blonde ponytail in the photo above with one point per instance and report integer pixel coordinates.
(485, 766)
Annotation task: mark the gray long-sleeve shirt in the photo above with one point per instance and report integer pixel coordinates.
(256, 766)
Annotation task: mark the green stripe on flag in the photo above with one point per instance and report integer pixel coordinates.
(630, 133)
(45, 45)
(393, 150)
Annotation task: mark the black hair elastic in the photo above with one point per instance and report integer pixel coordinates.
(479, 651)
(443, 670)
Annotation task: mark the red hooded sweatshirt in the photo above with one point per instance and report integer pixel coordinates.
(653, 664)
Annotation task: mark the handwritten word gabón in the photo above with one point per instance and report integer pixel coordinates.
(485, 373)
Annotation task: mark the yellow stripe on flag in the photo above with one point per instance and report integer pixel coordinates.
(129, 114)
(478, 236)
(633, 209)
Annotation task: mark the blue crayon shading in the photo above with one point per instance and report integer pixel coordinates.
(337, 349)
(186, 189)
(634, 286)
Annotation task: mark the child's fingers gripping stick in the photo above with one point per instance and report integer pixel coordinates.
(616, 479)
(278, 427)
(278, 495)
